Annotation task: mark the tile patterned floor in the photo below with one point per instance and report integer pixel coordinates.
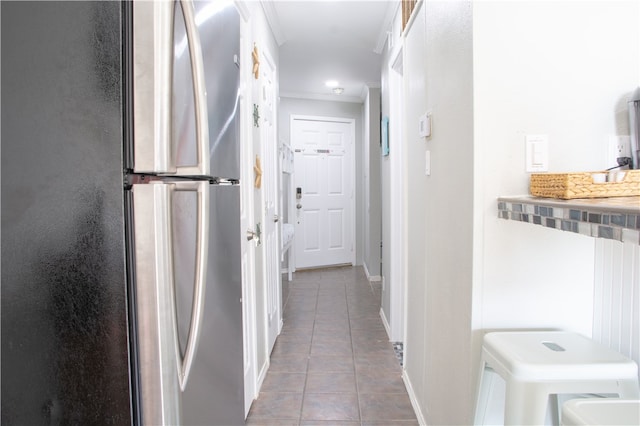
(333, 363)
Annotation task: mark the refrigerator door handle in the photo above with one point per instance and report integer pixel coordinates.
(197, 307)
(152, 76)
(155, 304)
(200, 95)
(153, 34)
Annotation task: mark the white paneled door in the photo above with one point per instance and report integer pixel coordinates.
(271, 238)
(247, 223)
(323, 159)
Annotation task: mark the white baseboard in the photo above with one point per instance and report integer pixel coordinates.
(369, 277)
(261, 377)
(385, 323)
(413, 398)
(366, 270)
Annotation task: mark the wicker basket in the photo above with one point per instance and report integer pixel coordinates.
(581, 185)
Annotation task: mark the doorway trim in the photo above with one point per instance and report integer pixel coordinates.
(397, 284)
(250, 350)
(271, 272)
(352, 175)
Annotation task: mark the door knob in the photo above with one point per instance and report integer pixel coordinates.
(276, 218)
(254, 235)
(298, 206)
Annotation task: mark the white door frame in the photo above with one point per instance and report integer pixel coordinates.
(273, 326)
(352, 175)
(397, 211)
(250, 353)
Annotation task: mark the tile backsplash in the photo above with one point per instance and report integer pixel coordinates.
(620, 225)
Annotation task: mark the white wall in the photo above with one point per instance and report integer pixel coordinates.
(616, 305)
(393, 209)
(415, 219)
(372, 181)
(566, 82)
(297, 106)
(385, 177)
(366, 185)
(438, 78)
(492, 72)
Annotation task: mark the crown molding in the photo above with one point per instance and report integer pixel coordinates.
(392, 9)
(274, 22)
(243, 9)
(321, 97)
(365, 89)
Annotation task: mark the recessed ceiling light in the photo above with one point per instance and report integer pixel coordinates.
(338, 90)
(331, 83)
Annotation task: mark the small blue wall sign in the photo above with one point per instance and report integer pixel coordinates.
(384, 135)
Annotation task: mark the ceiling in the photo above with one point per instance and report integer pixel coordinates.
(324, 40)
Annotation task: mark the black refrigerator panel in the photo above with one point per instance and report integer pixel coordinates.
(65, 357)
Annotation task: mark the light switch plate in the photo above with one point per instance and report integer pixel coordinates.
(427, 163)
(537, 153)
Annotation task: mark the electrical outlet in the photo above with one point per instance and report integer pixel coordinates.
(619, 147)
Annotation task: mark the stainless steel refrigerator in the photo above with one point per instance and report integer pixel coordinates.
(121, 278)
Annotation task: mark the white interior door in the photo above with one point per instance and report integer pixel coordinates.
(247, 221)
(271, 237)
(324, 179)
(248, 284)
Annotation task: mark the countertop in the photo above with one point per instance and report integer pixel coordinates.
(616, 218)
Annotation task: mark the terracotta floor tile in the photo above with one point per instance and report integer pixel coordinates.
(276, 405)
(327, 406)
(333, 362)
(284, 382)
(328, 364)
(289, 363)
(333, 382)
(384, 406)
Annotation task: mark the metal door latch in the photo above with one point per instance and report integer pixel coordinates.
(254, 235)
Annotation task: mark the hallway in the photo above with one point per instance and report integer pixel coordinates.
(332, 364)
